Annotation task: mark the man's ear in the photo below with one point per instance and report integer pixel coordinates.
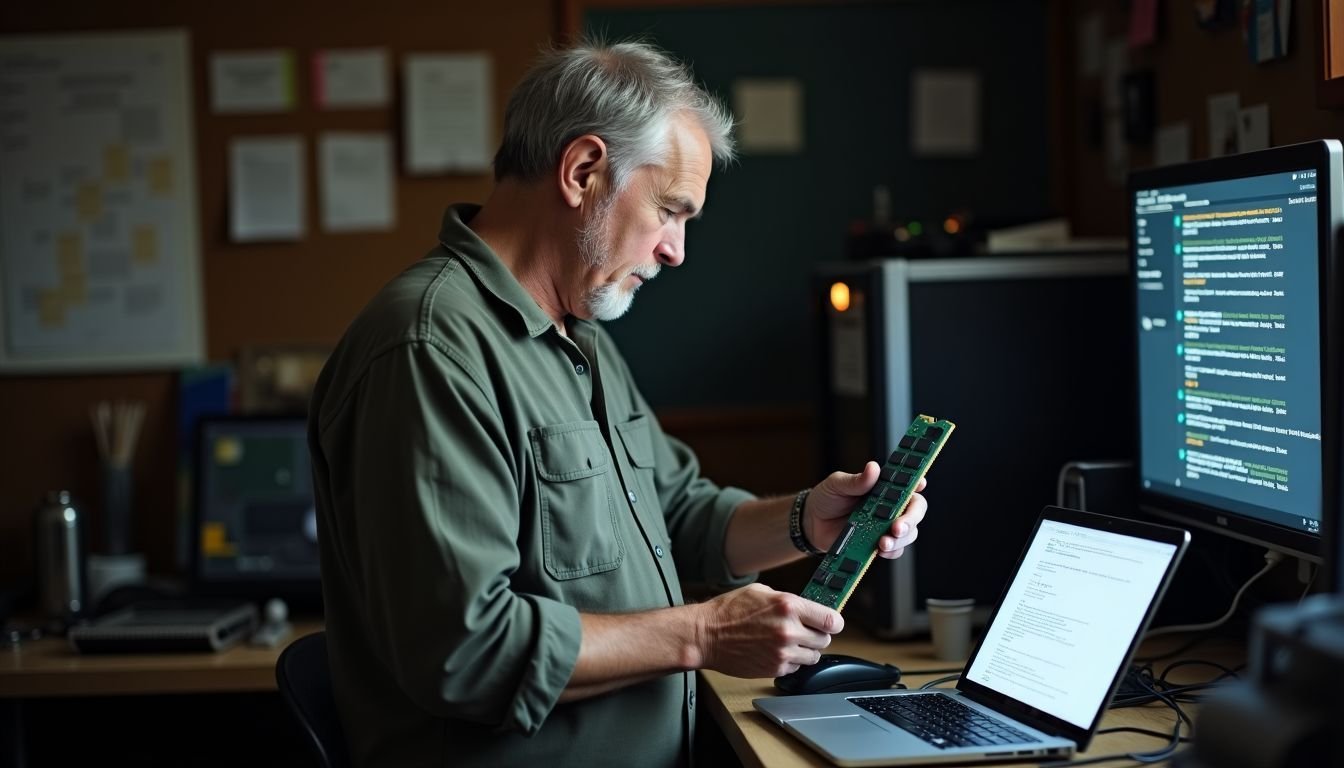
(583, 170)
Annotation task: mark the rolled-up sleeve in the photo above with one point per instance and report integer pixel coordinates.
(427, 500)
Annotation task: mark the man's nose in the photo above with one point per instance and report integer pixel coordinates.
(671, 252)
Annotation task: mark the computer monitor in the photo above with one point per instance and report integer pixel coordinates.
(255, 518)
(1233, 275)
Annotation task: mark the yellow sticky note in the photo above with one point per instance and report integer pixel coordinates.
(69, 253)
(89, 200)
(116, 163)
(144, 245)
(215, 541)
(161, 176)
(228, 451)
(51, 309)
(74, 289)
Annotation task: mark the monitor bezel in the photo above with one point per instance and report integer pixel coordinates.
(1324, 156)
(303, 594)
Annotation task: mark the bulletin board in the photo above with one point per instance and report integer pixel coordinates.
(99, 250)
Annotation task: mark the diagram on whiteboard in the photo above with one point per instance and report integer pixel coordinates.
(98, 241)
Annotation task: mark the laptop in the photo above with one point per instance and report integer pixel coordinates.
(1078, 603)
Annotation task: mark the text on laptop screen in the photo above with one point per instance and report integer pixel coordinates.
(1069, 617)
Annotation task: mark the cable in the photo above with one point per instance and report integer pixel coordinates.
(1144, 758)
(944, 671)
(939, 681)
(1307, 589)
(1272, 558)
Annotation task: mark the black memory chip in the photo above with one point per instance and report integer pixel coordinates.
(836, 581)
(884, 510)
(923, 444)
(912, 461)
(902, 479)
(906, 442)
(933, 433)
(849, 565)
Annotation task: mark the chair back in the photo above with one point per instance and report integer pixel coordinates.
(304, 678)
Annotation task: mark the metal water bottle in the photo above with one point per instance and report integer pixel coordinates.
(60, 560)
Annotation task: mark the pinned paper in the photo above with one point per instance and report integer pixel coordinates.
(266, 186)
(1253, 128)
(945, 112)
(771, 115)
(252, 81)
(448, 111)
(1091, 37)
(1172, 144)
(356, 176)
(1224, 115)
(351, 78)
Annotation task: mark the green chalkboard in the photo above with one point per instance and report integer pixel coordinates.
(731, 325)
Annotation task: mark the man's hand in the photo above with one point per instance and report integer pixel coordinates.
(831, 501)
(758, 632)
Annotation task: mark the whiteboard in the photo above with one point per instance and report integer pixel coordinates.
(99, 244)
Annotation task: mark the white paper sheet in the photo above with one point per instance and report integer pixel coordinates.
(448, 108)
(252, 81)
(770, 112)
(1224, 114)
(945, 112)
(1113, 74)
(1172, 144)
(356, 179)
(1091, 36)
(99, 251)
(350, 78)
(1253, 128)
(266, 184)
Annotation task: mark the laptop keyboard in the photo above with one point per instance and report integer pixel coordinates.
(941, 720)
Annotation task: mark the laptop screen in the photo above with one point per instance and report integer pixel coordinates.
(1070, 618)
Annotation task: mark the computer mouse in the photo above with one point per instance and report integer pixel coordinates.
(836, 672)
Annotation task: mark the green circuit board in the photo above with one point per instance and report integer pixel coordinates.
(852, 553)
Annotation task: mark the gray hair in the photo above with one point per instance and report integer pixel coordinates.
(625, 93)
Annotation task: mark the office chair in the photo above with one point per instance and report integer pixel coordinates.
(304, 678)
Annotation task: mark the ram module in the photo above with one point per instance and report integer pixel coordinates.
(852, 553)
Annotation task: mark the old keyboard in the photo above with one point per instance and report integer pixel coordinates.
(850, 556)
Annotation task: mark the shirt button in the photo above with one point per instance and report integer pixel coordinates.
(579, 369)
(658, 550)
(692, 698)
(631, 496)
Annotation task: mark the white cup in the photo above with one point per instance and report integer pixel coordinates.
(950, 625)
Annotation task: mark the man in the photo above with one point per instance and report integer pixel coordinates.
(500, 511)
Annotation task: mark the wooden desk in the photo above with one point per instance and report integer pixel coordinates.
(759, 742)
(49, 667)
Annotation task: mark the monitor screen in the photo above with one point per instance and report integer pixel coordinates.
(256, 523)
(1230, 257)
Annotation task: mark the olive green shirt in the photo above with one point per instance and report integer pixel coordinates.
(480, 480)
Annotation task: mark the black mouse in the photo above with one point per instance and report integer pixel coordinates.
(836, 672)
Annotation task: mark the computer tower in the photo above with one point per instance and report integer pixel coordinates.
(1031, 357)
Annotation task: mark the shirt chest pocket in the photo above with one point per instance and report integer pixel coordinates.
(579, 523)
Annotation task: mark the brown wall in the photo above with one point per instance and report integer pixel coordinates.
(1189, 64)
(309, 290)
(254, 293)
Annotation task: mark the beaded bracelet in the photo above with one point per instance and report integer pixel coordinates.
(796, 534)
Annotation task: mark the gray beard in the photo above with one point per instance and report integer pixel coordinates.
(606, 301)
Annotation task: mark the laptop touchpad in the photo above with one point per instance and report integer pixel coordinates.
(836, 729)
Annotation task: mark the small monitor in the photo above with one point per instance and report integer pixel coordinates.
(1232, 263)
(255, 517)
